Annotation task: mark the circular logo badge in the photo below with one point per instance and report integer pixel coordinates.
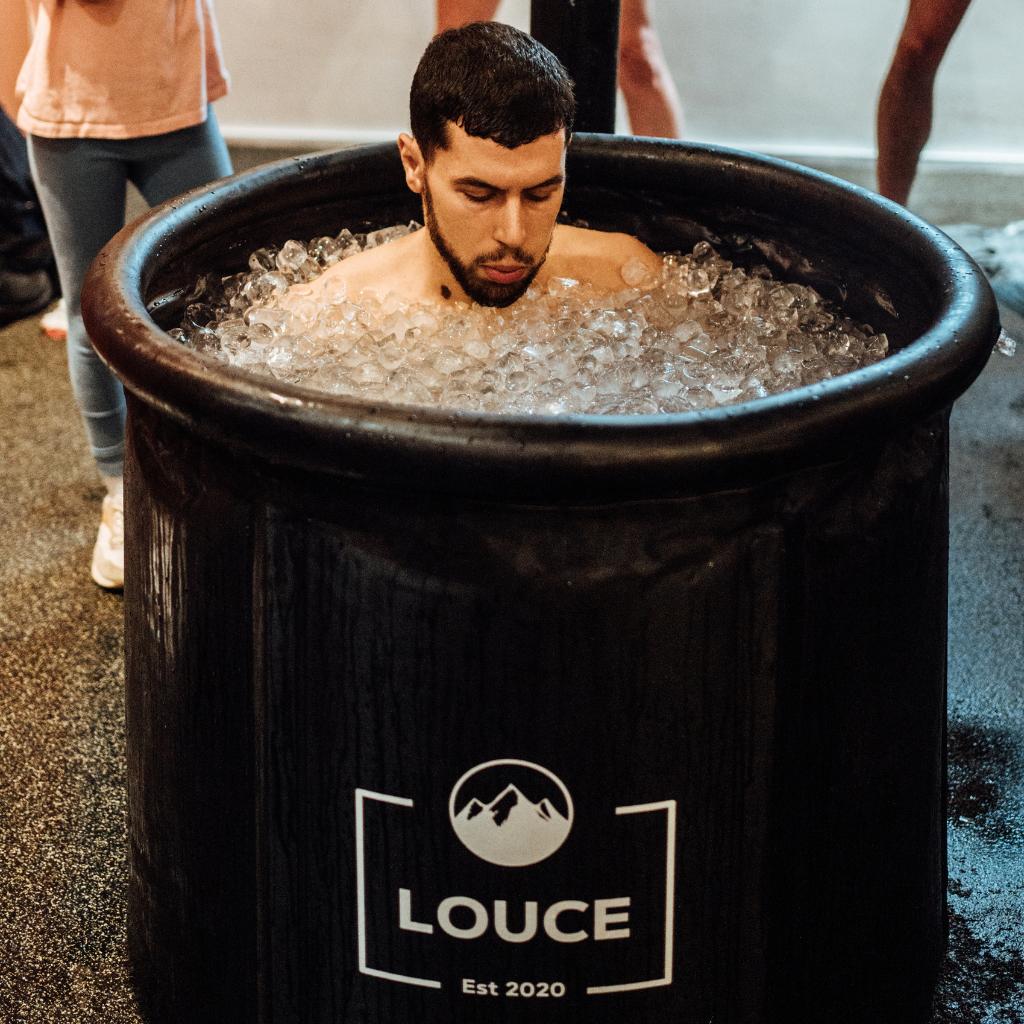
(512, 813)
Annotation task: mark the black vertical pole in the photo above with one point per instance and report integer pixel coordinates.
(584, 35)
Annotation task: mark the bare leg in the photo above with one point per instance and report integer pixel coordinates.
(905, 105)
(456, 13)
(646, 82)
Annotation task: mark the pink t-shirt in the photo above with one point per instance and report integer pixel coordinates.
(120, 69)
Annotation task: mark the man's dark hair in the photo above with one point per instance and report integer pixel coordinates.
(494, 82)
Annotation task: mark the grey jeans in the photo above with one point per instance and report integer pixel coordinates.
(81, 185)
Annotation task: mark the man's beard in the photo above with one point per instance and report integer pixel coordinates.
(479, 289)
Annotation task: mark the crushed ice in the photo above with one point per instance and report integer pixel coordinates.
(1006, 345)
(702, 334)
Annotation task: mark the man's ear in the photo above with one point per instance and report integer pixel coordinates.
(413, 162)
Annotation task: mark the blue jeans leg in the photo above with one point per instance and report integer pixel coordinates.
(170, 164)
(81, 185)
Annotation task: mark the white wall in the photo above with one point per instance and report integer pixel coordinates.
(790, 76)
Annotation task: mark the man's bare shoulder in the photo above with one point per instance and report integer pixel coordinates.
(375, 272)
(597, 257)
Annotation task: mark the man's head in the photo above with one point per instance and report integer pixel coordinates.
(491, 113)
(494, 82)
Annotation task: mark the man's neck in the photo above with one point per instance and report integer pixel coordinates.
(438, 282)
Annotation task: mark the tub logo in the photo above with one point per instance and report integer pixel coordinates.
(421, 908)
(511, 813)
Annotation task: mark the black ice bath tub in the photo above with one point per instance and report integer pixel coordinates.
(463, 718)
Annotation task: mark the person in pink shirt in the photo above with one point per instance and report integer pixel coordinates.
(113, 91)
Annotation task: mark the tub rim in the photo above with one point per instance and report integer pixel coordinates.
(554, 455)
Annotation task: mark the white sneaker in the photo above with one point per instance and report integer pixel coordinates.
(108, 554)
(55, 323)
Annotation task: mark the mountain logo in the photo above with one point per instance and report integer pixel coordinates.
(511, 813)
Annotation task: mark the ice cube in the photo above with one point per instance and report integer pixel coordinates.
(291, 256)
(635, 272)
(263, 259)
(447, 362)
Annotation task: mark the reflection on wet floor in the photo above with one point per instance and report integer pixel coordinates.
(981, 983)
(983, 763)
(984, 975)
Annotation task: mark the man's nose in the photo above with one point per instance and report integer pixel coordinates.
(509, 229)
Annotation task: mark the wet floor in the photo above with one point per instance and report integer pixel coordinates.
(984, 979)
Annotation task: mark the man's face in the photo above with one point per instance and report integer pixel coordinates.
(491, 211)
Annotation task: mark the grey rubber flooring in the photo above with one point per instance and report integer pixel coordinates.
(62, 796)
